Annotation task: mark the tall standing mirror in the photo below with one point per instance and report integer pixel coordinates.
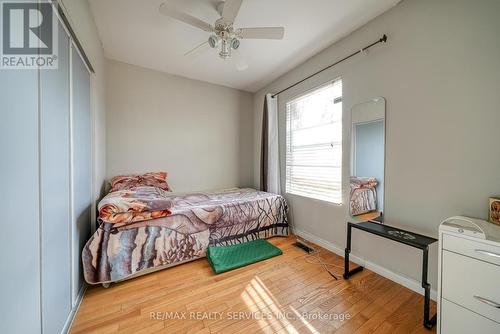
(366, 200)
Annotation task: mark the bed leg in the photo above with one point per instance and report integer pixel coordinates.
(106, 285)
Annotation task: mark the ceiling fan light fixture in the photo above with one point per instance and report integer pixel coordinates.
(223, 36)
(235, 43)
(213, 41)
(225, 50)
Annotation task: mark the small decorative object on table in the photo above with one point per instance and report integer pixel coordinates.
(494, 208)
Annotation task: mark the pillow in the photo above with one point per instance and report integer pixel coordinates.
(130, 206)
(363, 182)
(128, 182)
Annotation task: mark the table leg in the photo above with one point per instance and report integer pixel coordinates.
(428, 322)
(348, 273)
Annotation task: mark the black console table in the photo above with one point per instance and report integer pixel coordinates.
(415, 240)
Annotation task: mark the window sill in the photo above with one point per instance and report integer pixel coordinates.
(315, 199)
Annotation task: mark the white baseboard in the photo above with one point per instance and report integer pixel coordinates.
(74, 310)
(405, 281)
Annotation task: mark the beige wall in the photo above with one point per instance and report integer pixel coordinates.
(200, 133)
(440, 75)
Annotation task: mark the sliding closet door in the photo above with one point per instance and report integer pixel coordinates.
(81, 164)
(19, 237)
(55, 191)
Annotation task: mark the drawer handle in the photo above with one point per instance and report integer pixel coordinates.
(487, 301)
(485, 252)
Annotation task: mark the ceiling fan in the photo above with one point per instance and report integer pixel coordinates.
(222, 33)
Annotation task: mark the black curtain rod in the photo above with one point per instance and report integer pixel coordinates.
(381, 40)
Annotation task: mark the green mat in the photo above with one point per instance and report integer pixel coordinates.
(225, 258)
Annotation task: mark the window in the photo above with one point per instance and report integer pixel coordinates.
(314, 144)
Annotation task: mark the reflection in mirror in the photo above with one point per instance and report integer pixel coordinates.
(366, 200)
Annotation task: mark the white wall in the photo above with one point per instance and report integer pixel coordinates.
(200, 133)
(440, 74)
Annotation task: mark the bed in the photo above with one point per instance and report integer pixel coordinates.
(144, 227)
(363, 197)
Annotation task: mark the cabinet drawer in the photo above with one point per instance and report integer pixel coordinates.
(472, 284)
(457, 320)
(478, 250)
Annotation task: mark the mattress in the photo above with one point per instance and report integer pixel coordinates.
(187, 225)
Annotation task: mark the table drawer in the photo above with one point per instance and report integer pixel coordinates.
(478, 250)
(472, 284)
(457, 320)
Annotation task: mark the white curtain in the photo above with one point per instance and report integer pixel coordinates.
(272, 179)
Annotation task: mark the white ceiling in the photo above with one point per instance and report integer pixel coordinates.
(134, 32)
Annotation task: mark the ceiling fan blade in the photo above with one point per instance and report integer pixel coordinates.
(262, 33)
(239, 60)
(198, 50)
(169, 10)
(231, 9)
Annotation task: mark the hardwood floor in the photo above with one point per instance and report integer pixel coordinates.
(284, 294)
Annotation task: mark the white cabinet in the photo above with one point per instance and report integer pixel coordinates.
(19, 194)
(457, 319)
(81, 166)
(469, 276)
(54, 111)
(45, 173)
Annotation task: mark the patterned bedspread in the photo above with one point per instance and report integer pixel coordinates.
(363, 197)
(125, 245)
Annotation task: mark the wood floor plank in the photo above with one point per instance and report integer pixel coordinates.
(284, 294)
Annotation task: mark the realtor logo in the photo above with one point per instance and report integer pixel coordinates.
(29, 35)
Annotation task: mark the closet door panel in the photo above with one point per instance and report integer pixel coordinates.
(19, 204)
(82, 163)
(55, 191)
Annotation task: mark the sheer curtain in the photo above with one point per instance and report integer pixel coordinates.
(269, 163)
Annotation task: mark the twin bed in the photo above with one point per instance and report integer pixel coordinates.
(144, 227)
